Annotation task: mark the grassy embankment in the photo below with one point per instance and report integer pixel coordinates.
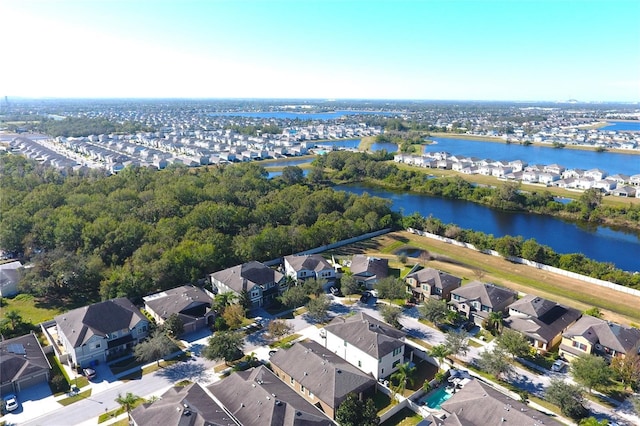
(473, 265)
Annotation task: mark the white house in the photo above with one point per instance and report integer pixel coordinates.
(9, 277)
(308, 266)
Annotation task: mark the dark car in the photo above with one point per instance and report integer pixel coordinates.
(365, 297)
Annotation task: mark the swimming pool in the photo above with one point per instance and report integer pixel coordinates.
(437, 397)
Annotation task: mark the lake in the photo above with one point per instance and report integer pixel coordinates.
(613, 163)
(333, 115)
(619, 126)
(598, 243)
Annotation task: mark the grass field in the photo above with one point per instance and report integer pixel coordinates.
(28, 308)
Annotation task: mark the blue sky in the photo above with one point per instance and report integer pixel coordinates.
(367, 49)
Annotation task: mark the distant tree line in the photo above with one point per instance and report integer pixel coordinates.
(85, 126)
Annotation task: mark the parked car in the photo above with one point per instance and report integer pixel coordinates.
(11, 402)
(558, 365)
(334, 291)
(89, 373)
(365, 297)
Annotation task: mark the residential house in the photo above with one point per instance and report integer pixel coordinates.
(371, 345)
(478, 404)
(191, 304)
(101, 331)
(22, 364)
(477, 300)
(430, 282)
(590, 335)
(307, 266)
(540, 320)
(369, 270)
(596, 174)
(625, 191)
(187, 405)
(320, 376)
(256, 397)
(9, 277)
(261, 283)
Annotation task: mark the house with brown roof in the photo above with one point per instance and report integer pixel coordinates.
(307, 266)
(540, 320)
(100, 331)
(320, 376)
(182, 406)
(367, 270)
(261, 283)
(22, 364)
(476, 300)
(590, 335)
(430, 282)
(373, 346)
(256, 397)
(191, 304)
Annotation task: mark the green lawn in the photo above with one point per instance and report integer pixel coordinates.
(82, 395)
(124, 365)
(405, 417)
(115, 413)
(382, 402)
(285, 342)
(29, 309)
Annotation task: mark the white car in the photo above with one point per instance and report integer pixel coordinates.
(11, 402)
(558, 365)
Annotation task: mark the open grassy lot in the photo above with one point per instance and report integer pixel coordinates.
(465, 263)
(29, 308)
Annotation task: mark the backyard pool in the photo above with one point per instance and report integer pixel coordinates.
(435, 398)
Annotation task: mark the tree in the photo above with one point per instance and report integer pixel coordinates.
(222, 300)
(154, 348)
(627, 369)
(591, 198)
(292, 175)
(314, 286)
(353, 412)
(592, 421)
(173, 325)
(294, 296)
(349, 285)
(391, 313)
(439, 352)
(590, 371)
(279, 328)
(513, 342)
(317, 307)
(127, 402)
(15, 319)
(226, 345)
(433, 310)
(594, 312)
(403, 377)
(234, 315)
(495, 362)
(635, 403)
(457, 342)
(495, 320)
(391, 288)
(568, 397)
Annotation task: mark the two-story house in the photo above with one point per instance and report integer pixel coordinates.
(101, 331)
(430, 282)
(476, 300)
(371, 345)
(320, 376)
(261, 283)
(590, 335)
(308, 266)
(540, 320)
(191, 304)
(367, 270)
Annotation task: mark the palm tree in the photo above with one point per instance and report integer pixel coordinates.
(403, 376)
(496, 320)
(439, 352)
(127, 402)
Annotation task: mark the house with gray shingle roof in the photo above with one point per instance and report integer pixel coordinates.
(320, 376)
(367, 270)
(22, 364)
(256, 397)
(308, 266)
(590, 335)
(191, 304)
(101, 331)
(261, 283)
(476, 300)
(430, 282)
(373, 346)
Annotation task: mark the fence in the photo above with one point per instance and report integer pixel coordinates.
(590, 280)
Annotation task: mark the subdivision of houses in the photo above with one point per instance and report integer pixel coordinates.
(476, 300)
(191, 304)
(430, 282)
(261, 283)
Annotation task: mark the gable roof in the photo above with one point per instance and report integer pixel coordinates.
(366, 333)
(436, 278)
(614, 336)
(256, 397)
(182, 406)
(21, 356)
(246, 276)
(477, 404)
(488, 294)
(366, 266)
(309, 262)
(179, 300)
(541, 319)
(9, 274)
(100, 319)
(326, 375)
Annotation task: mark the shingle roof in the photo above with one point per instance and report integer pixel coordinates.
(488, 294)
(246, 276)
(436, 278)
(614, 336)
(326, 375)
(477, 404)
(21, 356)
(369, 266)
(310, 262)
(102, 318)
(257, 397)
(179, 300)
(371, 336)
(542, 319)
(182, 406)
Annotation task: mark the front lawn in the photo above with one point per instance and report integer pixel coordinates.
(285, 342)
(82, 395)
(125, 364)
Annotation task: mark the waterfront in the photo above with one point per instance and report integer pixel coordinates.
(620, 126)
(599, 243)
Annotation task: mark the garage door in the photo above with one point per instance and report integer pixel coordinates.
(30, 381)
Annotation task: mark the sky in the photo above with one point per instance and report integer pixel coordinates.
(543, 50)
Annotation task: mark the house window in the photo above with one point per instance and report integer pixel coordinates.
(292, 381)
(396, 362)
(456, 297)
(302, 388)
(97, 345)
(485, 308)
(397, 351)
(580, 346)
(345, 343)
(359, 363)
(144, 328)
(311, 395)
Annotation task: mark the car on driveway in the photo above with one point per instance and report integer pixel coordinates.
(11, 402)
(89, 373)
(558, 365)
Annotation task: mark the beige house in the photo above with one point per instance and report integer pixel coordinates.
(430, 282)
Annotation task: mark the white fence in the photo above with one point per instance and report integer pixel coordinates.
(601, 283)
